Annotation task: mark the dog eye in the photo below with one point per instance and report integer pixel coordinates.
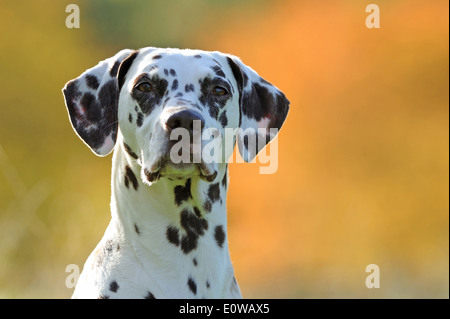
(144, 87)
(219, 91)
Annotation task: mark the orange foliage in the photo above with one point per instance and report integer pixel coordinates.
(363, 155)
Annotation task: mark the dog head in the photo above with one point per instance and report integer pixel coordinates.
(172, 110)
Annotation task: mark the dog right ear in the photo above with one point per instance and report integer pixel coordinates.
(262, 107)
(92, 100)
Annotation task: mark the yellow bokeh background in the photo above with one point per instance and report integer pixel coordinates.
(363, 157)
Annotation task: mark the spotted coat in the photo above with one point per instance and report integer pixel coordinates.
(168, 232)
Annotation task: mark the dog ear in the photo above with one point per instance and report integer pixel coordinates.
(92, 100)
(263, 109)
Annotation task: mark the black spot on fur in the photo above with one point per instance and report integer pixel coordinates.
(245, 140)
(172, 72)
(114, 69)
(130, 118)
(281, 111)
(179, 94)
(260, 103)
(188, 243)
(157, 57)
(197, 212)
(166, 72)
(182, 193)
(174, 85)
(136, 229)
(113, 286)
(108, 99)
(214, 192)
(189, 88)
(219, 235)
(241, 80)
(194, 228)
(103, 297)
(240, 77)
(129, 151)
(130, 177)
(71, 91)
(172, 235)
(149, 295)
(192, 286)
(92, 81)
(207, 284)
(257, 103)
(223, 119)
(218, 71)
(124, 67)
(213, 111)
(197, 56)
(193, 224)
(166, 100)
(225, 178)
(207, 206)
(194, 261)
(140, 119)
(86, 101)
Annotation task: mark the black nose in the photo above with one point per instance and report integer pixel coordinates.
(184, 119)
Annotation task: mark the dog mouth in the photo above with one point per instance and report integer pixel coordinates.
(180, 158)
(165, 168)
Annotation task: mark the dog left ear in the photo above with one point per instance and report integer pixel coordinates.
(92, 100)
(263, 109)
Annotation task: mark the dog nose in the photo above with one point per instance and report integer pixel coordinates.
(184, 119)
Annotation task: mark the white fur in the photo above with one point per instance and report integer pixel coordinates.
(148, 262)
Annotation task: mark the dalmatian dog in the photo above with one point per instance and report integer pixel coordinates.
(167, 237)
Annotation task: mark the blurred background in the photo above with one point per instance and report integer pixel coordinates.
(363, 170)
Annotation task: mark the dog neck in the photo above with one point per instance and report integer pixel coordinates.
(176, 228)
